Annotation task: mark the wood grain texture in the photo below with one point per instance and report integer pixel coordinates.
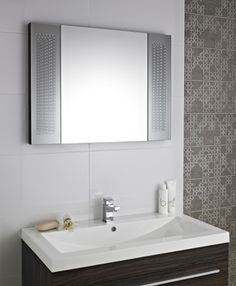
(34, 272)
(135, 271)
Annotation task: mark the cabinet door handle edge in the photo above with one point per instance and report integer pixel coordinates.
(211, 272)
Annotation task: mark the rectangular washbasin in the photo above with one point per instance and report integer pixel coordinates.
(94, 243)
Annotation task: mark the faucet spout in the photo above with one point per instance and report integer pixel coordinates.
(108, 209)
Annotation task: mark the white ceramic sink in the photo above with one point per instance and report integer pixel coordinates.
(92, 243)
(105, 235)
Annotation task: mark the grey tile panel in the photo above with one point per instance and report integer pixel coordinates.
(210, 32)
(210, 116)
(222, 8)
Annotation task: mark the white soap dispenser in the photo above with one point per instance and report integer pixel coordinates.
(171, 186)
(163, 199)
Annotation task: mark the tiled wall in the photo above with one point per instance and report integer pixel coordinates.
(37, 182)
(210, 114)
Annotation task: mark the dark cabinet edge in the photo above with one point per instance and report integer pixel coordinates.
(145, 269)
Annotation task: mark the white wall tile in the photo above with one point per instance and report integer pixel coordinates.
(13, 59)
(177, 122)
(156, 16)
(74, 12)
(129, 145)
(10, 184)
(11, 15)
(13, 122)
(40, 182)
(177, 70)
(16, 14)
(130, 177)
(14, 130)
(53, 148)
(54, 183)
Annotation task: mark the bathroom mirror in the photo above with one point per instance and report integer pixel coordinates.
(93, 85)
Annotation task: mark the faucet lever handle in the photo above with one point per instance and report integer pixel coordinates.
(116, 209)
(108, 201)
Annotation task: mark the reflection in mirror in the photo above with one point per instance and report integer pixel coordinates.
(104, 85)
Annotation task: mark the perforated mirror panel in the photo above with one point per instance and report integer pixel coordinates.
(159, 90)
(45, 83)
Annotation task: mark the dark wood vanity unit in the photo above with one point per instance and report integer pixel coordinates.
(206, 266)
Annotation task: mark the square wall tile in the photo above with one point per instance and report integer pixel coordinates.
(10, 184)
(13, 68)
(225, 8)
(11, 15)
(13, 122)
(74, 12)
(130, 177)
(140, 16)
(14, 129)
(55, 183)
(194, 6)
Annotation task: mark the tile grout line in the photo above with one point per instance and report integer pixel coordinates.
(16, 33)
(210, 209)
(208, 177)
(212, 16)
(206, 146)
(89, 181)
(210, 113)
(210, 81)
(208, 48)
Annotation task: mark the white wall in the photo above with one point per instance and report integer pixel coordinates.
(36, 182)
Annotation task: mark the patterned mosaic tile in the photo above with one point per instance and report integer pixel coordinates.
(206, 64)
(228, 8)
(210, 161)
(193, 195)
(233, 192)
(213, 7)
(210, 97)
(194, 6)
(217, 217)
(227, 59)
(224, 8)
(228, 33)
(210, 116)
(194, 64)
(234, 128)
(193, 29)
(234, 65)
(222, 196)
(209, 193)
(208, 129)
(210, 32)
(226, 97)
(233, 224)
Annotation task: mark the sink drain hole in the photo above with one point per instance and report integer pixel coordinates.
(113, 228)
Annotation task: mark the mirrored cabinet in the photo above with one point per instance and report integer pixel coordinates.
(90, 85)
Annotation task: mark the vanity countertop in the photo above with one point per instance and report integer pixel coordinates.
(94, 242)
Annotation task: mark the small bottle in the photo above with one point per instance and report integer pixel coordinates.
(163, 199)
(171, 186)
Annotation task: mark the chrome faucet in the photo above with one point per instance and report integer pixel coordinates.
(108, 209)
